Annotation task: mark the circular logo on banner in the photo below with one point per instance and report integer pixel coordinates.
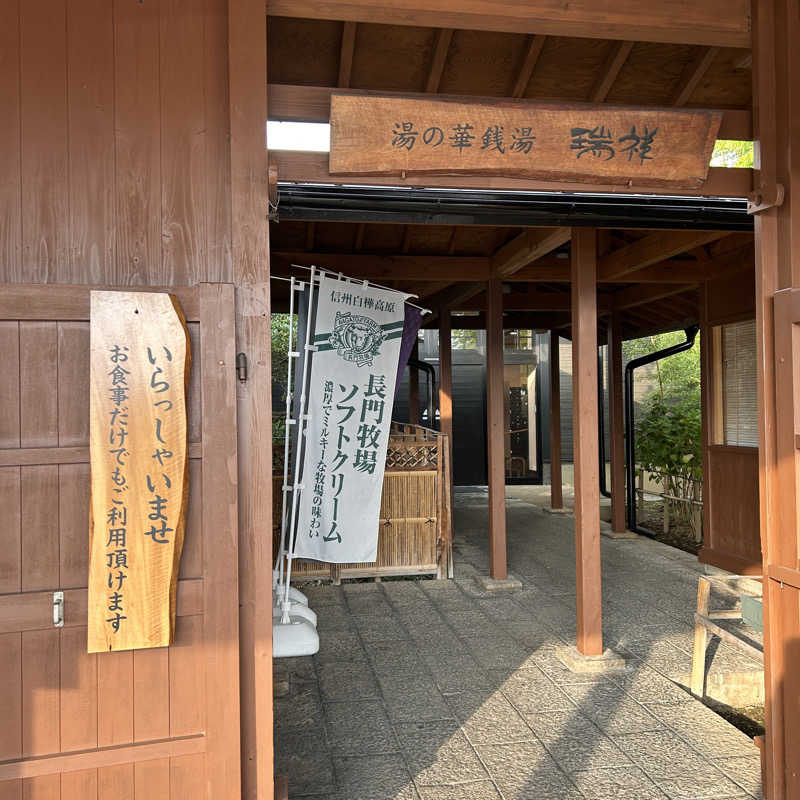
(357, 339)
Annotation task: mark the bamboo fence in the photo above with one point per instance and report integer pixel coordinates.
(414, 528)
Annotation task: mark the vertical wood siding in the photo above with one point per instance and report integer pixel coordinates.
(114, 134)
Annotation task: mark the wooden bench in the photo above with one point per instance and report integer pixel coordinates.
(704, 623)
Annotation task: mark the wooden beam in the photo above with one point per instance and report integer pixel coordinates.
(297, 103)
(537, 300)
(446, 383)
(643, 294)
(451, 245)
(359, 240)
(454, 296)
(310, 230)
(406, 244)
(532, 53)
(346, 54)
(777, 242)
(525, 248)
(249, 169)
(443, 38)
(495, 433)
(392, 267)
(692, 75)
(536, 320)
(556, 494)
(651, 249)
(714, 22)
(616, 423)
(313, 168)
(585, 426)
(616, 60)
(468, 269)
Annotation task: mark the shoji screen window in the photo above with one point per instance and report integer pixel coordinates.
(735, 392)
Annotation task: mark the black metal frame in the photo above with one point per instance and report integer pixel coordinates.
(630, 441)
(419, 206)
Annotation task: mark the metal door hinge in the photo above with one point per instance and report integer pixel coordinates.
(58, 609)
(241, 367)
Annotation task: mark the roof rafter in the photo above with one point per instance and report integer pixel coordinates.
(443, 38)
(653, 248)
(532, 53)
(643, 294)
(616, 60)
(526, 248)
(346, 54)
(692, 75)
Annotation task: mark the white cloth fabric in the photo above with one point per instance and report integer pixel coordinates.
(358, 332)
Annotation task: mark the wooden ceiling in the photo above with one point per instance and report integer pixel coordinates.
(652, 277)
(408, 59)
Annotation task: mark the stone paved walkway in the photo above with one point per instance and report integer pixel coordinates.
(432, 690)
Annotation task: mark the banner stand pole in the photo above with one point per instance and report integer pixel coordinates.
(301, 425)
(298, 599)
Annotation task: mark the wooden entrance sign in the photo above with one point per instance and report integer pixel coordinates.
(139, 478)
(393, 136)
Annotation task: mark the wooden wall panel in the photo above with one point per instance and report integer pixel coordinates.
(73, 524)
(115, 698)
(192, 555)
(183, 199)
(78, 693)
(9, 386)
(10, 175)
(38, 356)
(10, 697)
(217, 151)
(11, 790)
(44, 787)
(90, 55)
(39, 500)
(115, 783)
(115, 141)
(138, 142)
(729, 300)
(151, 779)
(41, 713)
(73, 384)
(187, 696)
(81, 785)
(10, 531)
(733, 539)
(151, 694)
(44, 136)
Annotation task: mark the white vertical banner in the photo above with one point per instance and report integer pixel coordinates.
(357, 337)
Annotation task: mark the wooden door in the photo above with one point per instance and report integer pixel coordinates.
(782, 550)
(153, 724)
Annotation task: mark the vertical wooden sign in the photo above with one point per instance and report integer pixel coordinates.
(140, 363)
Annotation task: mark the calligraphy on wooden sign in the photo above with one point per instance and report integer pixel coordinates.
(373, 135)
(140, 363)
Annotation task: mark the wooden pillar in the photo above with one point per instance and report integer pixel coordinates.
(556, 495)
(586, 447)
(413, 389)
(495, 421)
(616, 414)
(446, 382)
(247, 65)
(776, 105)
